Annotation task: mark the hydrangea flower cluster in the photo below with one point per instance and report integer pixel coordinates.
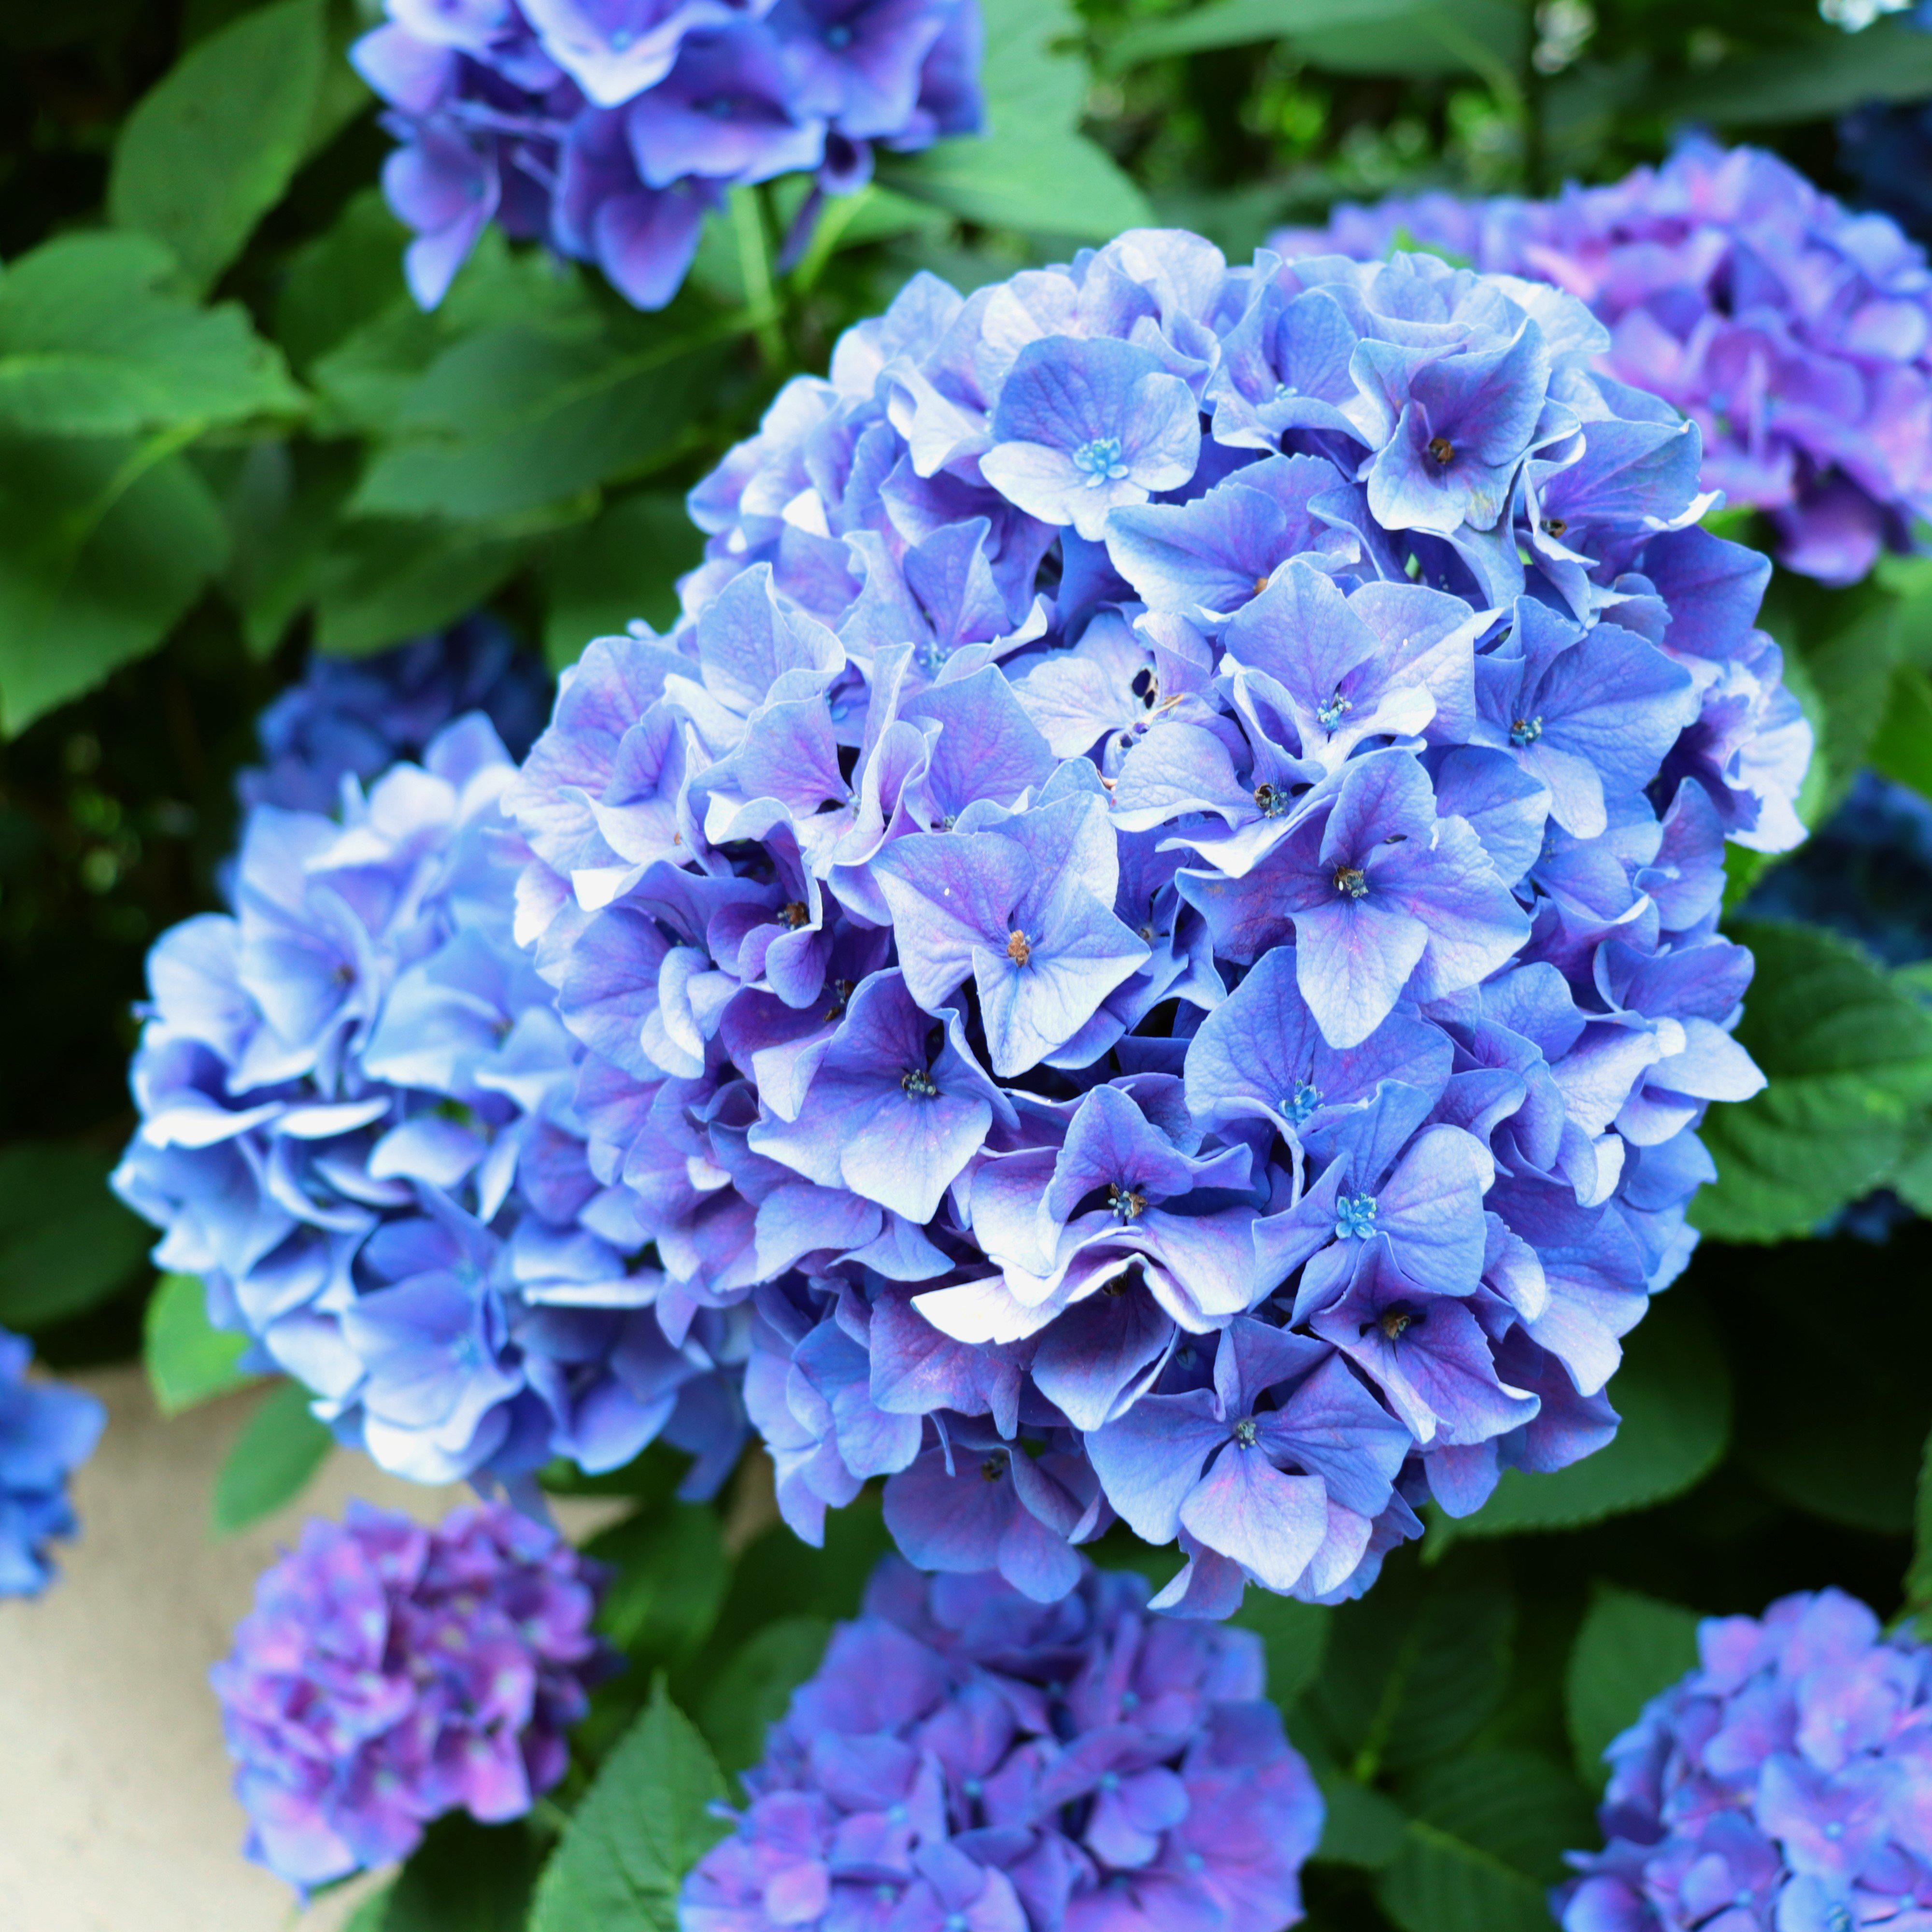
(1156, 915)
(1783, 1783)
(356, 716)
(610, 129)
(966, 1758)
(47, 1432)
(389, 1673)
(357, 1127)
(1796, 333)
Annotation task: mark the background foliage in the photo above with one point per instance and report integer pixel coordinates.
(227, 436)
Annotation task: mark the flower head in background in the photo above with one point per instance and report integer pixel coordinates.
(47, 1432)
(965, 1757)
(358, 1129)
(1782, 1783)
(1795, 332)
(357, 716)
(389, 1673)
(1155, 919)
(611, 131)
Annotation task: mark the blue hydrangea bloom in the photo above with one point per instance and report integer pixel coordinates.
(1785, 1783)
(47, 1432)
(389, 1673)
(358, 1127)
(610, 129)
(1188, 1000)
(967, 1758)
(1795, 332)
(356, 716)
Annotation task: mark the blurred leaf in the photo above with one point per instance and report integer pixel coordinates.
(1901, 749)
(624, 565)
(1848, 1053)
(1829, 72)
(280, 1449)
(1919, 1577)
(752, 1690)
(671, 1575)
(210, 149)
(1234, 23)
(1489, 37)
(1031, 169)
(463, 1877)
(93, 343)
(777, 1569)
(66, 1243)
(108, 543)
(1413, 1671)
(383, 579)
(512, 418)
(1295, 1636)
(342, 280)
(1848, 645)
(643, 1825)
(368, 1915)
(1362, 1827)
(1630, 1647)
(284, 506)
(1673, 1392)
(188, 1359)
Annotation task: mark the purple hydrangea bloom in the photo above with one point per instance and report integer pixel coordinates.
(1188, 1000)
(389, 1673)
(1783, 1783)
(47, 1432)
(1796, 333)
(357, 716)
(610, 129)
(358, 1128)
(967, 1758)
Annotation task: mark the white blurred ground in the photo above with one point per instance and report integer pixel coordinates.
(114, 1811)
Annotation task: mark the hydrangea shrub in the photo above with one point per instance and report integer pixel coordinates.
(47, 1432)
(1155, 918)
(1782, 1783)
(609, 132)
(389, 1673)
(358, 1128)
(965, 1757)
(1795, 332)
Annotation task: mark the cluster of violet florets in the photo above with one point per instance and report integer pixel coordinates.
(1781, 1784)
(389, 1673)
(47, 1430)
(1796, 333)
(611, 131)
(966, 1758)
(1155, 917)
(357, 1127)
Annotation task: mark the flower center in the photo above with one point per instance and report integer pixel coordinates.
(1442, 449)
(1352, 882)
(993, 1468)
(1524, 731)
(839, 34)
(1128, 1203)
(1245, 1433)
(1019, 948)
(1330, 715)
(1270, 799)
(1396, 1320)
(1260, 584)
(918, 1083)
(1302, 1102)
(720, 106)
(1555, 526)
(794, 912)
(1099, 461)
(1354, 1216)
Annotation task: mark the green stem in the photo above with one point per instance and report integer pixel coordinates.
(754, 264)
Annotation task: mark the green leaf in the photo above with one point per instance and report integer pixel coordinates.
(1630, 1647)
(1234, 23)
(514, 417)
(188, 1359)
(66, 1243)
(1445, 37)
(1848, 1053)
(368, 1916)
(1673, 1393)
(94, 343)
(1901, 748)
(342, 281)
(1361, 1827)
(751, 1693)
(672, 1574)
(463, 1877)
(1919, 1577)
(643, 1825)
(208, 151)
(273, 1459)
(108, 543)
(625, 564)
(1850, 665)
(1828, 73)
(383, 580)
(284, 505)
(1295, 1636)
(1032, 168)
